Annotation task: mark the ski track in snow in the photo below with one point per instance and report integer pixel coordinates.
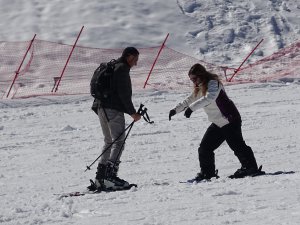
(47, 142)
(231, 28)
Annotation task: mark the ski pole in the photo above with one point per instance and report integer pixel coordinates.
(144, 114)
(128, 127)
(120, 150)
(141, 112)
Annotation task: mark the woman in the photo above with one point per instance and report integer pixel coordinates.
(210, 95)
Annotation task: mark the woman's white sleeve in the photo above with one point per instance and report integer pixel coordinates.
(184, 104)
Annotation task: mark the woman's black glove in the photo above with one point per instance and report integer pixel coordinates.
(171, 113)
(188, 113)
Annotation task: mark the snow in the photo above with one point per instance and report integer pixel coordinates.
(47, 142)
(216, 31)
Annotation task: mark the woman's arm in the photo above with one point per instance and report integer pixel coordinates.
(185, 103)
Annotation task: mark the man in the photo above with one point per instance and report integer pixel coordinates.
(112, 120)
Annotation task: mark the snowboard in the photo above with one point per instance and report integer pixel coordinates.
(261, 173)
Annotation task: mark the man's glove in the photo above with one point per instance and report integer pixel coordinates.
(171, 113)
(188, 113)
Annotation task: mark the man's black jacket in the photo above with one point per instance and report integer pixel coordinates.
(120, 98)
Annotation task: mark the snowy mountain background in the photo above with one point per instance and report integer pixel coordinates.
(217, 31)
(46, 142)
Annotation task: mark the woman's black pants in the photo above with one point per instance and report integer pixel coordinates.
(214, 137)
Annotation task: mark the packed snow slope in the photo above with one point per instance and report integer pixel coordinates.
(47, 142)
(217, 31)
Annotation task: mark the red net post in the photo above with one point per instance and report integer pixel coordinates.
(62, 73)
(19, 68)
(238, 69)
(162, 46)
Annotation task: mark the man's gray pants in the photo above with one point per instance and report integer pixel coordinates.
(113, 125)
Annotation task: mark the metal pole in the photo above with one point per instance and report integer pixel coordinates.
(18, 70)
(163, 44)
(62, 73)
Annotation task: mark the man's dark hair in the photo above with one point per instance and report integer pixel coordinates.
(130, 51)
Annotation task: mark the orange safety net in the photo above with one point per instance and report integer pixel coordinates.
(45, 62)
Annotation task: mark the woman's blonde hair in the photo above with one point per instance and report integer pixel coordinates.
(205, 76)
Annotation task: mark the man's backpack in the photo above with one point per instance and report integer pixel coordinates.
(101, 86)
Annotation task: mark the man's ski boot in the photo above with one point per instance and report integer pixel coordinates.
(98, 185)
(108, 180)
(112, 181)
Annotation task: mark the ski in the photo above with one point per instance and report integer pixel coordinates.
(191, 181)
(73, 194)
(82, 193)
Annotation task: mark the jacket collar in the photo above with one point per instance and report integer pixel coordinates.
(123, 60)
